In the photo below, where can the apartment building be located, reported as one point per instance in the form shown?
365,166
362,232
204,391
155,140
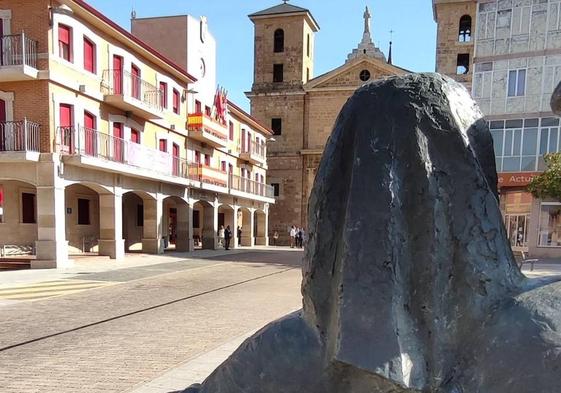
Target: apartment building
514,69
102,149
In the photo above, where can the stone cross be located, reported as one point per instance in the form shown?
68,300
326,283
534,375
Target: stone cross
367,17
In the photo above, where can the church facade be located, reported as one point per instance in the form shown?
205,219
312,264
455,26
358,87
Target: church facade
301,109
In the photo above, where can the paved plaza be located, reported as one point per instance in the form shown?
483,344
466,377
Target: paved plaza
143,327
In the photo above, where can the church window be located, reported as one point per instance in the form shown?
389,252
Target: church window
279,40
462,67
465,29
276,126
276,189
364,75
278,71
308,46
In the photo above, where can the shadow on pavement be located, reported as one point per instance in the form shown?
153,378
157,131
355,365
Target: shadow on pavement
290,258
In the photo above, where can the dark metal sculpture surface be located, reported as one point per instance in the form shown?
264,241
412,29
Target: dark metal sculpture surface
409,282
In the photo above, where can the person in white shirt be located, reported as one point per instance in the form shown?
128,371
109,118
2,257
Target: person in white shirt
292,236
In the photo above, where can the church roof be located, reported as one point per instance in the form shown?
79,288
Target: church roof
285,9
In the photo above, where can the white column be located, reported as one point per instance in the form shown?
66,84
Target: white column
210,226
51,246
234,228
184,237
191,230
153,226
111,242
248,238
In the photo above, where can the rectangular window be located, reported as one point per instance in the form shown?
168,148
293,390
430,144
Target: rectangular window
278,73
549,233
276,189
89,56
83,211
65,42
276,126
308,46
175,164
208,111
163,145
136,82
207,159
197,157
135,136
231,129
176,108
139,215
164,95
462,65
516,83
28,203
223,166
198,107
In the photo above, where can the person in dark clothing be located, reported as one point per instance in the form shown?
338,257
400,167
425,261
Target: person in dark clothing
239,236
227,237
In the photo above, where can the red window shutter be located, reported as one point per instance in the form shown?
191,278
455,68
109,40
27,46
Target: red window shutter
1,196
64,34
89,55
207,159
207,110
65,42
231,131
198,107
65,115
118,130
135,90
223,166
164,97
175,101
197,157
163,145
135,136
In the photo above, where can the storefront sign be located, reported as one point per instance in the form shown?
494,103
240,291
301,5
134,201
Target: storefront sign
516,179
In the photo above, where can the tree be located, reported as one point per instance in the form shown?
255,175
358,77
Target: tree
548,183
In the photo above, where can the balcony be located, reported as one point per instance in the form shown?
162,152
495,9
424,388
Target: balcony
19,138
240,185
209,175
205,129
256,154
18,58
131,94
87,147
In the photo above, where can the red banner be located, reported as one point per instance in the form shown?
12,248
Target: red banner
516,179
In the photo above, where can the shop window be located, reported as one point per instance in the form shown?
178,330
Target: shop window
231,130
276,189
276,126
176,107
462,64
465,29
89,56
196,219
28,203
139,215
278,73
65,42
83,211
164,95
279,41
517,229
1,204
516,83
549,234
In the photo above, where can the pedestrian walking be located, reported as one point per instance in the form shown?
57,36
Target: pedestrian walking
239,235
275,238
221,236
227,237
299,237
292,234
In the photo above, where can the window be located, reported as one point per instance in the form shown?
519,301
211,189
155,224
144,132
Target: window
462,65
139,215
276,126
176,162
135,136
516,83
307,74
231,129
207,159
83,211
197,157
65,42
276,189
89,56
1,204
279,41
549,232
364,75
208,111
198,107
163,145
164,95
28,203
308,46
135,88
465,29
176,107
278,71
223,166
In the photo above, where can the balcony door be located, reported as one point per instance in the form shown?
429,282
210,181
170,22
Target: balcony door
65,122
117,74
135,82
4,128
175,152
90,133
118,148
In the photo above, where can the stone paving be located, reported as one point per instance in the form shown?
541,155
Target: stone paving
120,337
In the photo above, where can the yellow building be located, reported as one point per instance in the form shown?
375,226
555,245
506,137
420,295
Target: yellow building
99,144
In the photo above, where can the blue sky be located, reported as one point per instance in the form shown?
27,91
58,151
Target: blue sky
340,21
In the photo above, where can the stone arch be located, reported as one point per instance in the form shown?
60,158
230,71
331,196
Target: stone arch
227,217
205,224
176,228
260,228
140,222
18,211
245,224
